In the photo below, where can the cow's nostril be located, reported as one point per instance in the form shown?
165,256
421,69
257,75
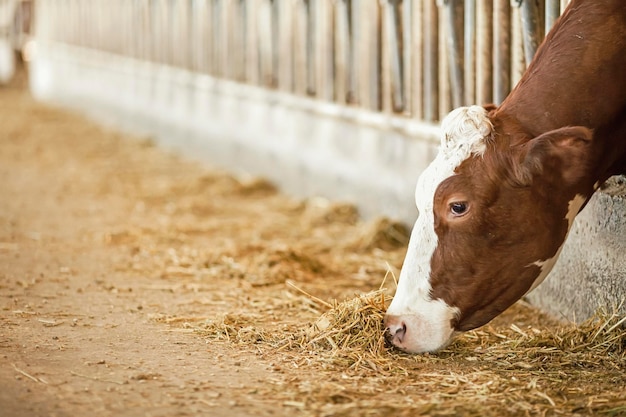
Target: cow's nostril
396,332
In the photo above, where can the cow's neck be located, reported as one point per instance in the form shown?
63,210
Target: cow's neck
578,78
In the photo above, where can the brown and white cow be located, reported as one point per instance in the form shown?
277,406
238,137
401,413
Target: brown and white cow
496,204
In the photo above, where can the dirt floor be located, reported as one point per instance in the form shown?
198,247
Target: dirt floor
136,283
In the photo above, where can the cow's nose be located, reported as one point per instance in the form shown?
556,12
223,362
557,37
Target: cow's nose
395,329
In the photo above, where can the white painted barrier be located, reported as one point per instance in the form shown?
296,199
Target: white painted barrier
307,147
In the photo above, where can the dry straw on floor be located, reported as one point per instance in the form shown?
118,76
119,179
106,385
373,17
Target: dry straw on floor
562,369
352,331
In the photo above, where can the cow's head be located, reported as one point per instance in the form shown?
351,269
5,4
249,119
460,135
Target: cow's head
494,209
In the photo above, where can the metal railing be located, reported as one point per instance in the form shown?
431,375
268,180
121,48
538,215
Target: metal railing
418,58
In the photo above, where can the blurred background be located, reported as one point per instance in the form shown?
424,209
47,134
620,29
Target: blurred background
418,58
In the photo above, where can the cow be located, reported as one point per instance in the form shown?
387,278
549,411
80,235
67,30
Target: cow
497,202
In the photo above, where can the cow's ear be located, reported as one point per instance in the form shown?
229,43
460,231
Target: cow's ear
563,154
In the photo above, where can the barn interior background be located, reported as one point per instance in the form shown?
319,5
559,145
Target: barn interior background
329,97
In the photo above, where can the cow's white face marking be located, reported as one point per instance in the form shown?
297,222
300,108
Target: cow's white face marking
546,265
429,322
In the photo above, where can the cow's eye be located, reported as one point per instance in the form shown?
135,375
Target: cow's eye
458,208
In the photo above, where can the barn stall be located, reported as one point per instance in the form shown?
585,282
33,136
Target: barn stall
342,96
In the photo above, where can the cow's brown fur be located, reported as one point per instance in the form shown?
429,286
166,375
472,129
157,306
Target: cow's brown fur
559,133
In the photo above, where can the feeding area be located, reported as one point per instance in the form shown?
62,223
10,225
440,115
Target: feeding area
137,281
193,268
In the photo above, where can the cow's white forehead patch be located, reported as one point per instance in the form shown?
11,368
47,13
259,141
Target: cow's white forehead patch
464,133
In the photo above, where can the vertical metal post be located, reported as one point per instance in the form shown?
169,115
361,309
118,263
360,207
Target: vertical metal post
453,10
469,51
391,80
484,45
501,50
552,13
226,40
323,48
266,47
342,51
407,64
530,25
252,42
286,41
444,91
518,62
417,65
180,35
159,40
386,52
368,60
397,61
200,34
300,47
375,56
352,14
431,60
238,41
167,43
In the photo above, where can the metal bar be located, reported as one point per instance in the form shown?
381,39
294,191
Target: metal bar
407,64
238,41
518,62
552,11
324,41
252,42
275,40
444,101
200,35
353,64
300,47
453,11
286,40
501,50
431,61
387,51
484,44
375,56
181,34
391,57
397,62
469,51
530,25
266,47
417,67
311,88
342,48
368,55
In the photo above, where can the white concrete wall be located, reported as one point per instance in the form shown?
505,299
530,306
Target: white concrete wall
306,146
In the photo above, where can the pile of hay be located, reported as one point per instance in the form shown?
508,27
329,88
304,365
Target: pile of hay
351,333
239,329
522,364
